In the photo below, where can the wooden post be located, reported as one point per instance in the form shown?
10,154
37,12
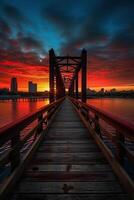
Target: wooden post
51,75
84,74
76,85
97,125
15,151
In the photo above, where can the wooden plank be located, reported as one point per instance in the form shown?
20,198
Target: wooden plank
67,131
35,176
69,161
65,149
67,125
70,157
65,137
70,154
70,146
56,196
70,187
71,168
75,141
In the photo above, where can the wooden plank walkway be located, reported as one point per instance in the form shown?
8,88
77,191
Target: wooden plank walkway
68,165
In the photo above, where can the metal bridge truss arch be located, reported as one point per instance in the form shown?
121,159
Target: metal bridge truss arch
63,75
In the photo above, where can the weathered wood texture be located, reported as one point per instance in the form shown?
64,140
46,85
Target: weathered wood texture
68,165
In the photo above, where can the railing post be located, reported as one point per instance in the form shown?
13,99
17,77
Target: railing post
97,125
15,151
89,118
119,149
87,114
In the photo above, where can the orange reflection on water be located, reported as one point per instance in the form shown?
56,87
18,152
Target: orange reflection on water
11,110
123,108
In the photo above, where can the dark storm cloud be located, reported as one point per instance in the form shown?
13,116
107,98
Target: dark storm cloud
5,32
14,13
124,39
30,43
4,27
15,36
29,58
92,25
27,43
60,17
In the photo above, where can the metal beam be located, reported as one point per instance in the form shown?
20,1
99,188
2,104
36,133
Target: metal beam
76,86
51,75
68,57
84,73
68,64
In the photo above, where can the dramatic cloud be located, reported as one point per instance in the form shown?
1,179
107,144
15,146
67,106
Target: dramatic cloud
29,29
30,43
14,14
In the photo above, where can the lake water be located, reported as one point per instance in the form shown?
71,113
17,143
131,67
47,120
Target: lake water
123,108
10,111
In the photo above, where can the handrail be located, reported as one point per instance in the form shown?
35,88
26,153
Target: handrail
123,129
113,145
5,132
124,126
12,132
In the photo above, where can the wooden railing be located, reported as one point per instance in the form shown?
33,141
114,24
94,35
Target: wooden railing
11,135
113,135
124,131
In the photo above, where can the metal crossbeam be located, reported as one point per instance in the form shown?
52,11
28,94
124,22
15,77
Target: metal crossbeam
66,70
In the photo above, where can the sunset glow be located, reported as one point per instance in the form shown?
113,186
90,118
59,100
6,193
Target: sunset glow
104,29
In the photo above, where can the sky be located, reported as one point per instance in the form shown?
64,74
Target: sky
29,28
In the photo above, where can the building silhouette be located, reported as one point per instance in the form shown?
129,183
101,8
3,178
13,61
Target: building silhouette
32,87
14,85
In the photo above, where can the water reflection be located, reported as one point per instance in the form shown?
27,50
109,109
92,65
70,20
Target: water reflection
124,108
12,110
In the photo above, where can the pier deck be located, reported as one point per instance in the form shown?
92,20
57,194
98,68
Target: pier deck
68,165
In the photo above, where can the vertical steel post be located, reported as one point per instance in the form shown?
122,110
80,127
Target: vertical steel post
62,87
84,72
51,75
76,86
57,82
